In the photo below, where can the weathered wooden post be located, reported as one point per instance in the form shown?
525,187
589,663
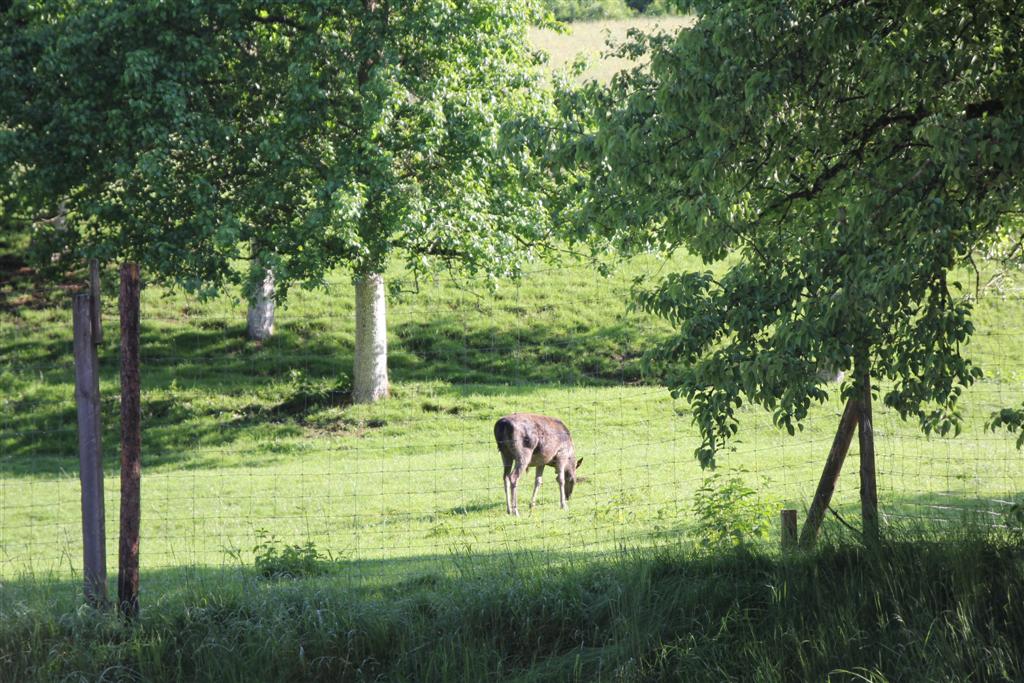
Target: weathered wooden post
131,444
94,290
830,474
868,485
788,518
87,399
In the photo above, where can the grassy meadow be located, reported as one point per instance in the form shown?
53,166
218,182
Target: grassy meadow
590,39
253,449
246,441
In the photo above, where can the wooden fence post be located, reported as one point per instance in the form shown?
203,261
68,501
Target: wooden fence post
788,518
94,290
830,474
868,486
131,444
87,399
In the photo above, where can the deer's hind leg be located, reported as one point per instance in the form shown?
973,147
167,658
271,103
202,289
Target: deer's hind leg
514,468
508,462
536,485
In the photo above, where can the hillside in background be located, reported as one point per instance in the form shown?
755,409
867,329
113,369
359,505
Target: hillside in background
589,39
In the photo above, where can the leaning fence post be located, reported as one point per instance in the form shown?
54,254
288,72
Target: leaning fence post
131,444
788,529
87,400
830,474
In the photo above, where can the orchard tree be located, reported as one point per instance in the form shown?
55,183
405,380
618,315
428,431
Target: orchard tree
159,129
417,166
290,137
834,161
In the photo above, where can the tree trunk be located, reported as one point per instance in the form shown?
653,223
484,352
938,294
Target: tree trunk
261,310
370,374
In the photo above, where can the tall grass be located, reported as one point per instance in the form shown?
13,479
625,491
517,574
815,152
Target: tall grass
919,609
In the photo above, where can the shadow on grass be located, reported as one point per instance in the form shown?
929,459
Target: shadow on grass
919,611
530,353
367,576
205,387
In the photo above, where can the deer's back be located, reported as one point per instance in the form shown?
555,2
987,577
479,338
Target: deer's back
524,434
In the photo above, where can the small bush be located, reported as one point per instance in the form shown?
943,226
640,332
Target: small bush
730,513
275,560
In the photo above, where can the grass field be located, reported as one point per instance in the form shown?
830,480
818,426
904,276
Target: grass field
244,441
589,40
243,438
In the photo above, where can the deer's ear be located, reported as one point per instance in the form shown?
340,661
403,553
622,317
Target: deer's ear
579,462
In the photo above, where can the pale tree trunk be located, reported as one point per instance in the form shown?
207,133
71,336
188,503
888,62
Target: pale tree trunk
827,373
370,374
261,310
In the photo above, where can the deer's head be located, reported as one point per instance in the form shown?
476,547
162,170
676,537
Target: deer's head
570,476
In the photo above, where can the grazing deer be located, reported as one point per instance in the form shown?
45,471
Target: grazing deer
527,440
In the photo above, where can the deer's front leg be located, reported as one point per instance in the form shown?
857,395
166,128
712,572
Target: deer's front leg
563,501
536,485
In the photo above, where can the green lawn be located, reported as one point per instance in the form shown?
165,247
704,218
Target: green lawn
241,437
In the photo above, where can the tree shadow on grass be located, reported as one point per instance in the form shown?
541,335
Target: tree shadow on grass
202,391
530,353
206,388
942,509
368,577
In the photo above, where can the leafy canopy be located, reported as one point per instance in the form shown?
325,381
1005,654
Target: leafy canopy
835,160
194,137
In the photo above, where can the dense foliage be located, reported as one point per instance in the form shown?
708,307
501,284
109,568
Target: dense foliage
194,137
834,162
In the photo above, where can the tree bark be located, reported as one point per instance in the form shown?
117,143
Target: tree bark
370,372
261,310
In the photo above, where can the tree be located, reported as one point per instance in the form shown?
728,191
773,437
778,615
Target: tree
835,161
422,167
146,121
291,137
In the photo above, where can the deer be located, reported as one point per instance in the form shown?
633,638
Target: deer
527,440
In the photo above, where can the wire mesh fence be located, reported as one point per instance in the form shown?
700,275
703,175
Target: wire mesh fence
248,442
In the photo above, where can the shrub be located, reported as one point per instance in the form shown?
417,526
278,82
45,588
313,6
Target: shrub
730,513
281,561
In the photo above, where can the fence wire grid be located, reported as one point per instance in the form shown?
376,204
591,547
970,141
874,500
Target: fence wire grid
247,442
